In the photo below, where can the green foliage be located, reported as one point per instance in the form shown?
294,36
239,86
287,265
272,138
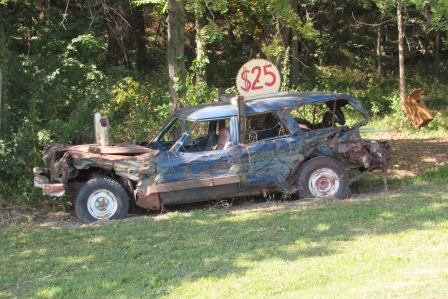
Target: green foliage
17,153
211,32
136,110
198,93
53,84
86,48
285,69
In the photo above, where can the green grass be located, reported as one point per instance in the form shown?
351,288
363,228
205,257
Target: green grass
392,246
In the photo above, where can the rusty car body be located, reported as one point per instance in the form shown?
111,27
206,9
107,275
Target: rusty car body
285,142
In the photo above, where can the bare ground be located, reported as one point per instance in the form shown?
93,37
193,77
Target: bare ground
411,157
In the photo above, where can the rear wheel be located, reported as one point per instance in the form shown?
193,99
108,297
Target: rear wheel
101,198
323,177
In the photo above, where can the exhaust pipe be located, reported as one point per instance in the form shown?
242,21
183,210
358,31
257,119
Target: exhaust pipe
101,128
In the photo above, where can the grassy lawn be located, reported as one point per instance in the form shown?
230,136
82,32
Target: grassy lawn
390,246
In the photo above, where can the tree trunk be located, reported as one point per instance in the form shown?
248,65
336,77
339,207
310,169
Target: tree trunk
1,94
403,91
437,48
295,42
201,50
138,24
379,51
126,33
426,29
175,53
230,34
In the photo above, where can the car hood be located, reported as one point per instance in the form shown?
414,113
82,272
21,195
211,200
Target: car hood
64,161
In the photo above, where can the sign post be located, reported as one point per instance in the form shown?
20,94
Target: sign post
242,118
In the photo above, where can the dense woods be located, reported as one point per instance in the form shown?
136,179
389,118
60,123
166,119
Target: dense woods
138,61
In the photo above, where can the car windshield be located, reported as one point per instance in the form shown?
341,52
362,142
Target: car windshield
194,135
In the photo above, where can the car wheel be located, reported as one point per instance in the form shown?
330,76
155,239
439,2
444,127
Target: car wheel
101,198
323,177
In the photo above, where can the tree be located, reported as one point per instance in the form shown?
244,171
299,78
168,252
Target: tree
175,53
403,89
295,44
1,96
201,48
2,50
206,31
126,33
432,15
200,63
434,23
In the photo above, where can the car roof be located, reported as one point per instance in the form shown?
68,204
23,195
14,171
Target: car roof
264,103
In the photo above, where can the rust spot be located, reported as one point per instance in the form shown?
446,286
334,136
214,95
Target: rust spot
55,190
147,199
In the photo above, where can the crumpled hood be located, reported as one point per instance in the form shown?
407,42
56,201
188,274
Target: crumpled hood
65,160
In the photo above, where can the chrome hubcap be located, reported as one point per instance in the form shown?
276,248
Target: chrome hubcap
324,182
102,204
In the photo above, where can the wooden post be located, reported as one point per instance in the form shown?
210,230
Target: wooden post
96,126
240,103
242,119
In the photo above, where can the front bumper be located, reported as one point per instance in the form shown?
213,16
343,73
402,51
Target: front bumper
42,181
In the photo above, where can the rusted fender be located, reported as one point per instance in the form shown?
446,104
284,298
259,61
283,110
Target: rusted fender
147,198
42,181
370,154
129,161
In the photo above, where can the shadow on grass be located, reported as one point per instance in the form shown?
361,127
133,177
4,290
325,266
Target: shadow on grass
140,258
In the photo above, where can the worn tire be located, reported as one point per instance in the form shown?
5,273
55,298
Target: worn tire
101,198
323,177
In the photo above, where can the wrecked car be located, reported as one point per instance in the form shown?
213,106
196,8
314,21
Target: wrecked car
307,143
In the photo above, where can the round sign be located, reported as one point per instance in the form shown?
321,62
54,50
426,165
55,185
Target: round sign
256,77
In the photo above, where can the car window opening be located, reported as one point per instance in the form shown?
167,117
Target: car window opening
313,117
206,135
264,126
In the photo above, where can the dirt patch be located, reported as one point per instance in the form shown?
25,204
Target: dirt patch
411,157
25,216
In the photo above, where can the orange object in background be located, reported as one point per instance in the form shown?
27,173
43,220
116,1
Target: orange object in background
416,109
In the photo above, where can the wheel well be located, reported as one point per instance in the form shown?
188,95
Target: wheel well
321,177
85,175
292,178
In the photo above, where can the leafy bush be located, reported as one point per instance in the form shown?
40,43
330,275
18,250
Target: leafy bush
136,110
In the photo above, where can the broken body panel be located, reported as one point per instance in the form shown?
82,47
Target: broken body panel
191,168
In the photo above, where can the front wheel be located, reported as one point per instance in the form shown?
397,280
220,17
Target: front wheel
323,177
101,198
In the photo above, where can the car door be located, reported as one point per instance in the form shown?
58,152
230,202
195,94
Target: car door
271,154
200,164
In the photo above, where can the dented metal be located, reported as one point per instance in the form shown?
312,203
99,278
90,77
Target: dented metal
42,181
261,157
